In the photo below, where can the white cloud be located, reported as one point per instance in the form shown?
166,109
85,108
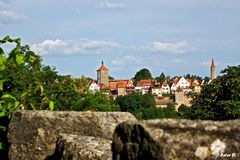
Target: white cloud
176,48
112,5
126,60
47,46
7,16
82,47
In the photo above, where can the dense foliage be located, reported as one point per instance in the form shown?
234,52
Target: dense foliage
161,78
154,113
219,100
143,74
25,83
144,106
189,76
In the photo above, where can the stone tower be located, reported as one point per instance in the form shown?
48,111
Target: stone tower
213,70
103,77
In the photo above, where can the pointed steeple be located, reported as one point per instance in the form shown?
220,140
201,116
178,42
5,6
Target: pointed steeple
102,67
213,70
213,63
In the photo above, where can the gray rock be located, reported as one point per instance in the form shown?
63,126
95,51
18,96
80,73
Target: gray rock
176,140
33,134
74,147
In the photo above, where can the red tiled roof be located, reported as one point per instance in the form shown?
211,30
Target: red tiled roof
113,84
103,68
145,82
213,64
122,83
130,82
103,86
175,80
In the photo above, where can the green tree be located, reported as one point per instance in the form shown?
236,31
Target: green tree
143,74
156,113
161,78
111,78
135,103
189,76
25,83
184,111
219,100
95,101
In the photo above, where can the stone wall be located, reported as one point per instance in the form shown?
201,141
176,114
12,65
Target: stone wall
34,135
177,140
46,135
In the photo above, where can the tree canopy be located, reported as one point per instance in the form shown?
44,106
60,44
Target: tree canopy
189,76
135,103
143,74
160,78
219,100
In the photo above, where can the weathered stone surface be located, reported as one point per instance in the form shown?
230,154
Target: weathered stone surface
74,147
176,140
33,134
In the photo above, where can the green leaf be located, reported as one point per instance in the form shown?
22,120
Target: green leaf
51,105
39,87
1,84
16,104
2,67
23,94
1,146
3,128
18,41
3,114
19,58
32,104
3,59
5,39
8,96
1,51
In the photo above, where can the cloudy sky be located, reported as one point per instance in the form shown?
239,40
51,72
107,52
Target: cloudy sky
171,36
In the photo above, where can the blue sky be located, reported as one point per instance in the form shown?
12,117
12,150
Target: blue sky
171,36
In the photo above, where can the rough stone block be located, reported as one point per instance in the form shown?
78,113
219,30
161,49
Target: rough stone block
177,140
74,147
33,134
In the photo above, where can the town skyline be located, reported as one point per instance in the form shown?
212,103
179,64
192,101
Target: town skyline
173,37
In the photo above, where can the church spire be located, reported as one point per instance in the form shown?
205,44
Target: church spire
213,70
213,63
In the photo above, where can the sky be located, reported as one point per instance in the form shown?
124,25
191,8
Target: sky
176,37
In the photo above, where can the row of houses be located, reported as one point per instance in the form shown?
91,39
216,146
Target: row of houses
124,87
177,85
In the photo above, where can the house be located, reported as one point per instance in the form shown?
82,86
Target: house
93,86
122,87
180,82
156,89
145,84
195,85
173,87
113,92
165,87
138,87
130,87
162,102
